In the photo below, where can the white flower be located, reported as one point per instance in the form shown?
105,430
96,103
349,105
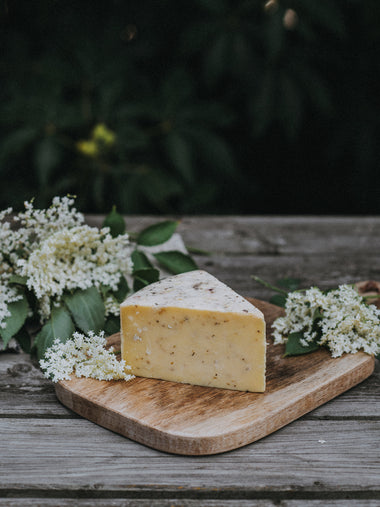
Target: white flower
8,294
112,306
84,356
346,323
35,225
39,224
76,258
56,252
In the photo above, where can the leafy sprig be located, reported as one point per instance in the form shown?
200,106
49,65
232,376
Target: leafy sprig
282,289
85,309
339,319
295,342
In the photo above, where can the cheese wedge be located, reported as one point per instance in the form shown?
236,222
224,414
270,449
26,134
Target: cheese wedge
193,328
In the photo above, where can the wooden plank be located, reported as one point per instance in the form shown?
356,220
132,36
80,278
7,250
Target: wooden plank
361,401
17,368
323,271
267,235
313,456
24,391
141,502
347,502
181,502
282,235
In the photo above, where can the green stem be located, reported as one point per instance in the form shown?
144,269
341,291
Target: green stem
269,286
371,296
197,251
132,235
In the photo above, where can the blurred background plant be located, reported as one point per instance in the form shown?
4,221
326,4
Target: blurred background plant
208,106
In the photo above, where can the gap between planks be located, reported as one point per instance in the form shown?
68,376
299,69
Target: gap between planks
158,494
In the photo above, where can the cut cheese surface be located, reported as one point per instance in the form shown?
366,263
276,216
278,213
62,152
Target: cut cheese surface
193,328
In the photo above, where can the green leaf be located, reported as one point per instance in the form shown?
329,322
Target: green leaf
317,316
290,105
112,325
176,262
140,261
314,85
295,348
216,57
132,137
60,326
327,15
16,142
47,156
176,90
134,111
17,279
158,233
213,150
275,35
212,114
279,300
87,309
122,290
216,7
13,323
24,340
289,283
160,188
179,152
196,36
263,103
145,277
115,222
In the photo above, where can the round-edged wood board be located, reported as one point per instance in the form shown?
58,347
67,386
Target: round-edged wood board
194,420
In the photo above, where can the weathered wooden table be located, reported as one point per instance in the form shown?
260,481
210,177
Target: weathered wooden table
331,456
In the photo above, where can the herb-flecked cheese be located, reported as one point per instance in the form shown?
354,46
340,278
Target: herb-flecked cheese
193,328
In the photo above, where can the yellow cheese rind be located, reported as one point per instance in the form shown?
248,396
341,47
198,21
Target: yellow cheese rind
201,347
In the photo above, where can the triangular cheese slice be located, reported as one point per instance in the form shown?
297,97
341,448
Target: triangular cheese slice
193,328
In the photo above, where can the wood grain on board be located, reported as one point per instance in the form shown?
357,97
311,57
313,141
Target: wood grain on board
195,420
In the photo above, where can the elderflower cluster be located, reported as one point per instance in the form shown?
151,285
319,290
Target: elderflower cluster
75,258
56,252
112,306
8,295
16,243
35,225
338,319
83,356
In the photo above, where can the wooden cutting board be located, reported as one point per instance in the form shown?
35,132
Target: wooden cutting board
195,420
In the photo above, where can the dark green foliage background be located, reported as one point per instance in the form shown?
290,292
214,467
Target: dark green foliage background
217,105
